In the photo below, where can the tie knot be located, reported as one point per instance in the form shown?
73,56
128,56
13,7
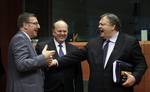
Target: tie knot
61,53
60,45
107,41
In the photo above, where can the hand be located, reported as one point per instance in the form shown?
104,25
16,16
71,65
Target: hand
130,80
53,62
48,54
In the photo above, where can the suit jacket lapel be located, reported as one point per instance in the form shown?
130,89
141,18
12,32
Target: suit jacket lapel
116,51
68,48
28,41
51,46
98,52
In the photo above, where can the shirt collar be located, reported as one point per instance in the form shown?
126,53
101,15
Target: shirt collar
56,43
27,35
114,37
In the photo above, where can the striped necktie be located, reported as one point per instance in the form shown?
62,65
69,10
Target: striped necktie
61,53
105,49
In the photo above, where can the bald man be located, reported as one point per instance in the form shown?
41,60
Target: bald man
58,79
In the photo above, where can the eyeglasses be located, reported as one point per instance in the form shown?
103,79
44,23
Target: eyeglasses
34,23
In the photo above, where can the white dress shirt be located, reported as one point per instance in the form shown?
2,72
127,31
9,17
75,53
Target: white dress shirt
110,47
63,46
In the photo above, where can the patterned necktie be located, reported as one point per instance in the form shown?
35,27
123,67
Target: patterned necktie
105,49
61,53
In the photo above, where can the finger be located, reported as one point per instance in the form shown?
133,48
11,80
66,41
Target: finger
50,64
51,57
127,74
52,52
45,47
125,83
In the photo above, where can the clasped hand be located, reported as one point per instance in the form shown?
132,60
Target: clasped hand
130,80
48,54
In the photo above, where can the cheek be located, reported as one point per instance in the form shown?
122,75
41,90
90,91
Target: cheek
35,32
65,35
107,29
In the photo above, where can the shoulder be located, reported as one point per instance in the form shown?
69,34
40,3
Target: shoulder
44,40
18,35
94,41
17,38
129,38
70,45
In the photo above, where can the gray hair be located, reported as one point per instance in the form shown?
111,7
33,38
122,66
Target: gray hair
114,20
24,17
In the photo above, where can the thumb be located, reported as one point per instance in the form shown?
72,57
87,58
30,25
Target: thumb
45,48
126,73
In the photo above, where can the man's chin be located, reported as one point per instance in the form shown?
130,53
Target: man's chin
35,35
62,40
101,35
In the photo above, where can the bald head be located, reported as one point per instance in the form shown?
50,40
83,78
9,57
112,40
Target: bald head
60,23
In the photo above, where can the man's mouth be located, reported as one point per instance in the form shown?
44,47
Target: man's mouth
101,30
36,30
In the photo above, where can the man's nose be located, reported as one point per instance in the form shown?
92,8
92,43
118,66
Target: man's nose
99,26
38,26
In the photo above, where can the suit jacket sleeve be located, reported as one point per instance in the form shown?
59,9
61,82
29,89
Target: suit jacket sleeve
140,65
25,57
78,79
74,57
39,47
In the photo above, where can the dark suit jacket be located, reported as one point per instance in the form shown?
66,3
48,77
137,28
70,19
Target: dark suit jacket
126,49
70,78
24,66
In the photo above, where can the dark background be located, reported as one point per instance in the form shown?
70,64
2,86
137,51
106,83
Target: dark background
83,15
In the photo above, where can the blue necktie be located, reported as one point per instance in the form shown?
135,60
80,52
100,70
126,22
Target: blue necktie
105,49
61,53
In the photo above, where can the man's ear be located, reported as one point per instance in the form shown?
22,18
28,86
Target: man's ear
25,25
53,32
114,27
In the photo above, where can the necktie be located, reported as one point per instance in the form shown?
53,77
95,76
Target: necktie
60,50
105,49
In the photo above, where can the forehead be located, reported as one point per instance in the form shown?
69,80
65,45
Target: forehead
33,19
61,25
104,19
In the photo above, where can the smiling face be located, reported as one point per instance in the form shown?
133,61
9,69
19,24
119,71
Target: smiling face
32,27
60,31
106,28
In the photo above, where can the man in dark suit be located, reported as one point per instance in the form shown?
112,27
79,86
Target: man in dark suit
24,65
120,47
68,79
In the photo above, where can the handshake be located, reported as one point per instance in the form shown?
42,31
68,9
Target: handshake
48,54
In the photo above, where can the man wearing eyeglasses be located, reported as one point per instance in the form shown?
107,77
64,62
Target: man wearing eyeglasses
24,65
